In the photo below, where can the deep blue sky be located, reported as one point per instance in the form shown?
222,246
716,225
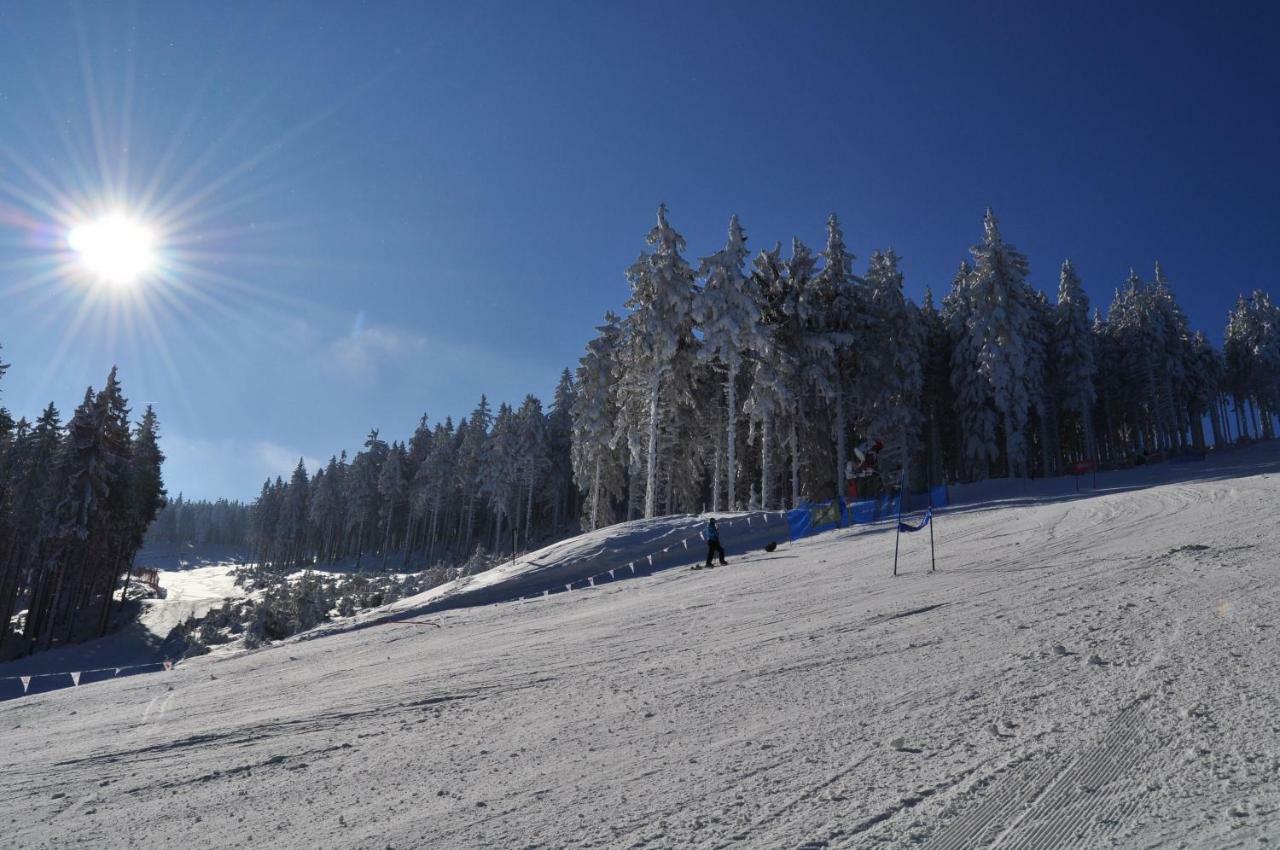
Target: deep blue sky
381,209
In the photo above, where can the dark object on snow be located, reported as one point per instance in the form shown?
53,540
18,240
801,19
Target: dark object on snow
770,546
713,544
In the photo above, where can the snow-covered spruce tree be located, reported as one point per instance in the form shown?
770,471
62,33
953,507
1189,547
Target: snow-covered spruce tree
1041,379
558,490
839,316
597,466
473,432
30,486
1176,332
1202,382
393,497
1073,360
291,527
1251,349
810,348
499,475
890,380
771,400
995,343
728,313
975,410
661,326
362,492
938,399
532,456
1138,343
439,475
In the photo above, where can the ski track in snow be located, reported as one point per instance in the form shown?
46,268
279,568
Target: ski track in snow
1090,671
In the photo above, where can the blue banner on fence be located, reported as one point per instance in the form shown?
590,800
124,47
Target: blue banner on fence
908,527
814,518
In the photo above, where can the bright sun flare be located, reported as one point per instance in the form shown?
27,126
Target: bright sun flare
116,249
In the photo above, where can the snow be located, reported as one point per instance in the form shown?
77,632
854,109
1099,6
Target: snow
1084,670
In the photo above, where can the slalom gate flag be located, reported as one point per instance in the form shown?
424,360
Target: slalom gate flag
908,528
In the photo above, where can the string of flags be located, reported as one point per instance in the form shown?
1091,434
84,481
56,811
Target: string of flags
647,560
76,676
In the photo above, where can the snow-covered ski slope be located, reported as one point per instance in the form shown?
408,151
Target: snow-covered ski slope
617,553
1089,671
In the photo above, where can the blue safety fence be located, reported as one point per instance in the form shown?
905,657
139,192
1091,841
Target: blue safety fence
817,517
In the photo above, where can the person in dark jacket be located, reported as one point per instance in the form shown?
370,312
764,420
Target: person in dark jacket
713,544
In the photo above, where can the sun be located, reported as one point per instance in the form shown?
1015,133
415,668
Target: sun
116,249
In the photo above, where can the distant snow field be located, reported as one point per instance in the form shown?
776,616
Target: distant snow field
1084,670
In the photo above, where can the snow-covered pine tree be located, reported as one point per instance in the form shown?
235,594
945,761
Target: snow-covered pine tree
393,496
499,472
810,349
1074,360
840,317
996,335
938,398
728,313
1041,380
532,456
660,326
559,492
771,399
597,467
974,407
890,380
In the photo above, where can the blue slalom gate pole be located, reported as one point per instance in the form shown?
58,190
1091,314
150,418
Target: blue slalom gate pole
933,557
898,534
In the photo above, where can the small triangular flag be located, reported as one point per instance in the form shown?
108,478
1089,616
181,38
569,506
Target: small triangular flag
26,682
117,673
592,581
568,587
75,679
610,573
546,593
632,565
650,557
168,665
748,522
686,543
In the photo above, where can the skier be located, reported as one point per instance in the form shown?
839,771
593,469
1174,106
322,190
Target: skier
713,544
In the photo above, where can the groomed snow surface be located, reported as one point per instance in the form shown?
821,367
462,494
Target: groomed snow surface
1088,670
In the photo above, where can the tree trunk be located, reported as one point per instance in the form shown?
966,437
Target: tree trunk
766,461
795,464
731,446
595,495
651,472
842,451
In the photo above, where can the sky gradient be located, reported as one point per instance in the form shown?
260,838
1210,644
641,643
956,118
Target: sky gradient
378,210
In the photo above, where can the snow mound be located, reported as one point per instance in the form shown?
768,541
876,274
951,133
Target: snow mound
618,552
